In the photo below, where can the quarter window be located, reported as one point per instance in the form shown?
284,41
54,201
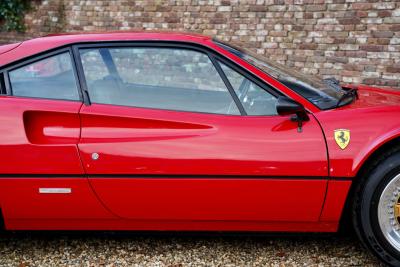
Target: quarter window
255,100
52,77
163,78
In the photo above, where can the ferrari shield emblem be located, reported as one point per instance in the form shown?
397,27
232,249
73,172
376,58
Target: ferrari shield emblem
342,138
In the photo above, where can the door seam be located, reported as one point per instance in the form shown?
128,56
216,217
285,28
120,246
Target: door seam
86,176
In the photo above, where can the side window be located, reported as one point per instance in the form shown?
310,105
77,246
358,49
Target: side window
255,100
52,77
162,78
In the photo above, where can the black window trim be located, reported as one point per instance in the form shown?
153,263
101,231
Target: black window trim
213,55
248,75
6,83
3,90
37,58
228,85
81,76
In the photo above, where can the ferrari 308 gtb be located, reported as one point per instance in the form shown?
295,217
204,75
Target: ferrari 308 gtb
175,131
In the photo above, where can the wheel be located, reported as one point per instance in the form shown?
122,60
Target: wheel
376,208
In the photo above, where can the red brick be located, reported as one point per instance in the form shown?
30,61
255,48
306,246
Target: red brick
362,14
383,41
392,69
258,8
382,34
395,27
372,48
315,7
384,13
337,59
172,19
308,46
362,6
349,21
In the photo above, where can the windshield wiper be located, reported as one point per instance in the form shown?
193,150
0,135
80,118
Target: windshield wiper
349,93
333,82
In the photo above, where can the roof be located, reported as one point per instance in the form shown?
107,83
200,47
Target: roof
37,45
8,47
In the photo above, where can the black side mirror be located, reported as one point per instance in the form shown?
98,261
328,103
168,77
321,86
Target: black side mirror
287,106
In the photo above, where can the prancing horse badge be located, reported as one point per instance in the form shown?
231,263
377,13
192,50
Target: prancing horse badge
342,138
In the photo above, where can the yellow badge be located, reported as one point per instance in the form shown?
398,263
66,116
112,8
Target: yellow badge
342,138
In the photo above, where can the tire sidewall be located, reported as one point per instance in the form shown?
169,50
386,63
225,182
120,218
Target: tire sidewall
368,215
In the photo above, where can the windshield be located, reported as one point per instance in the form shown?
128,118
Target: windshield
323,94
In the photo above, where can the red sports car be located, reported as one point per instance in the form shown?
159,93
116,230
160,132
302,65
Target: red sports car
174,131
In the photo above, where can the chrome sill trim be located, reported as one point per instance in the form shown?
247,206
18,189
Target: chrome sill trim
55,190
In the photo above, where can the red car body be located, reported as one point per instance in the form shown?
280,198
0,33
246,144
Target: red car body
172,170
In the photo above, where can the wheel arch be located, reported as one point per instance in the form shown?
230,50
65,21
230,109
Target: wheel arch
374,150
380,149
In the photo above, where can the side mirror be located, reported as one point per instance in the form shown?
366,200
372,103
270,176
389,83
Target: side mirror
287,106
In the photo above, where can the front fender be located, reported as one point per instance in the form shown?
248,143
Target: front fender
370,128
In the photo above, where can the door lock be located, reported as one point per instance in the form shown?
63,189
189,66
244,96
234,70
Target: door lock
95,156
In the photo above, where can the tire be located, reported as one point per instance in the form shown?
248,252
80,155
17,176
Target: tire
374,195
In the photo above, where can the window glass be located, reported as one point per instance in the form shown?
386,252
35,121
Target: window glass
255,100
163,78
52,77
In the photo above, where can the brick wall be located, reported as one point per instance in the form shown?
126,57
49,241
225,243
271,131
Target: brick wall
357,41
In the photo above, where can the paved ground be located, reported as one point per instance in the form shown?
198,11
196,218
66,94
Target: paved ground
175,250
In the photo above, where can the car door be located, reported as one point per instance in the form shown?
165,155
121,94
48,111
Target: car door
173,134
41,172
